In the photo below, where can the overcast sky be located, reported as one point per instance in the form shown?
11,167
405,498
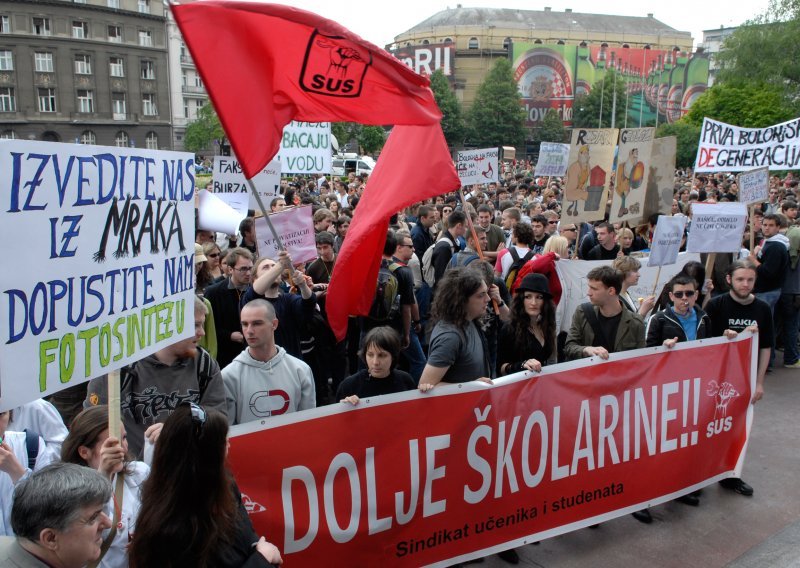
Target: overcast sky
380,21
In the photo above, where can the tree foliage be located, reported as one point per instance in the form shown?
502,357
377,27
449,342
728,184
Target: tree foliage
371,139
497,117
552,128
688,136
749,105
453,124
345,132
201,133
586,109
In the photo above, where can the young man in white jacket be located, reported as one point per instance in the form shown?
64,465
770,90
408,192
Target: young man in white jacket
264,380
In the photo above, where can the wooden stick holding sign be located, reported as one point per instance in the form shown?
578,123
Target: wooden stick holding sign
474,238
263,209
658,275
114,421
752,228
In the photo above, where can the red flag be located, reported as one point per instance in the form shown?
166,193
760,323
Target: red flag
265,65
415,164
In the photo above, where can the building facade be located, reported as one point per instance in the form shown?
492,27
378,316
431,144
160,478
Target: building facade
712,43
91,71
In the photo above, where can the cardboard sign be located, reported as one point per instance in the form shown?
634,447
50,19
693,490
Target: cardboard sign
552,159
295,227
485,468
717,227
591,159
230,183
477,166
107,273
633,172
306,148
754,186
666,241
727,148
660,182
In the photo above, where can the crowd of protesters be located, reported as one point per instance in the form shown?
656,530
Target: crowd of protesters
467,290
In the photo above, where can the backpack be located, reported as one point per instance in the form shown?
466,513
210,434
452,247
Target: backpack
387,294
516,264
428,272
462,258
32,447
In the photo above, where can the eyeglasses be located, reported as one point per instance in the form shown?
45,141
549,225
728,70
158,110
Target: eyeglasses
408,246
552,222
244,269
198,417
680,293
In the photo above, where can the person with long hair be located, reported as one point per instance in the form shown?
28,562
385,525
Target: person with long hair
192,512
214,262
528,341
89,444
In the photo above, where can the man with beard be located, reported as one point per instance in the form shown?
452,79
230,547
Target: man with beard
152,388
575,188
623,179
735,312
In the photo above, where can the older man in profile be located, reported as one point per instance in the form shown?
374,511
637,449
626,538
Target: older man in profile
58,517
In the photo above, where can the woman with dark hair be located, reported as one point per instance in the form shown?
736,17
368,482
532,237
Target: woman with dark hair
528,341
457,352
192,512
380,353
89,444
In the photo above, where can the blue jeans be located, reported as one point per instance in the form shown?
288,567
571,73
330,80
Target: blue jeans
791,321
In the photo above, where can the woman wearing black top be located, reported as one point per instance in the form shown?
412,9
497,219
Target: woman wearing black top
528,341
380,353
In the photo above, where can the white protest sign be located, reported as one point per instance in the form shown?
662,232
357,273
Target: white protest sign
295,227
716,227
754,186
575,286
666,240
477,166
552,159
213,214
727,148
107,273
306,148
230,184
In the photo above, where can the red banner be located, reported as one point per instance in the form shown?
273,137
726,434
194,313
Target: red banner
463,471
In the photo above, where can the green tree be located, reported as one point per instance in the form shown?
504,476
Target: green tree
586,109
765,50
201,133
749,105
688,136
453,124
551,129
497,117
345,132
371,139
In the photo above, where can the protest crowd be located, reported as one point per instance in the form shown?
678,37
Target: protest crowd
467,290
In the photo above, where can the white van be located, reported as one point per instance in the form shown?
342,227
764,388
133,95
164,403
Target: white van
343,164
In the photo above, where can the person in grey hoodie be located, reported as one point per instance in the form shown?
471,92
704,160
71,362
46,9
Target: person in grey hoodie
264,380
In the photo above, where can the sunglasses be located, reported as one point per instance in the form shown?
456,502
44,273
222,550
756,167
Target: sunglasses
198,417
679,294
213,255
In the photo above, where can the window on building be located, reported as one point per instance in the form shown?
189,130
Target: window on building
149,105
113,3
7,101
5,25
473,43
115,34
85,101
145,38
448,40
116,66
148,69
80,30
118,106
122,140
8,135
425,42
151,141
83,64
6,60
506,42
47,100
198,81
79,1
41,26
144,6
186,108
43,62
88,137
184,78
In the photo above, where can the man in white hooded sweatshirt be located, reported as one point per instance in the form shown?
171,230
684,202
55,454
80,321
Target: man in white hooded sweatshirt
264,380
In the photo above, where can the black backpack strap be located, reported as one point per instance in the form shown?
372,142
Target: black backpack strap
528,256
203,370
591,317
32,447
514,255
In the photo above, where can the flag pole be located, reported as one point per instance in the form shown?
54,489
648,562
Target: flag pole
474,237
264,213
114,429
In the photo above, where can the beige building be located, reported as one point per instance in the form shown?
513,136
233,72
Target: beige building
469,40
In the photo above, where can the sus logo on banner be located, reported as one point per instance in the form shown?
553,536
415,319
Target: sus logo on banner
306,148
107,277
477,166
230,184
716,227
633,170
552,159
661,174
591,158
295,227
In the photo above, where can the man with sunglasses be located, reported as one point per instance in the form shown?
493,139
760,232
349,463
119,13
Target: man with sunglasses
683,320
